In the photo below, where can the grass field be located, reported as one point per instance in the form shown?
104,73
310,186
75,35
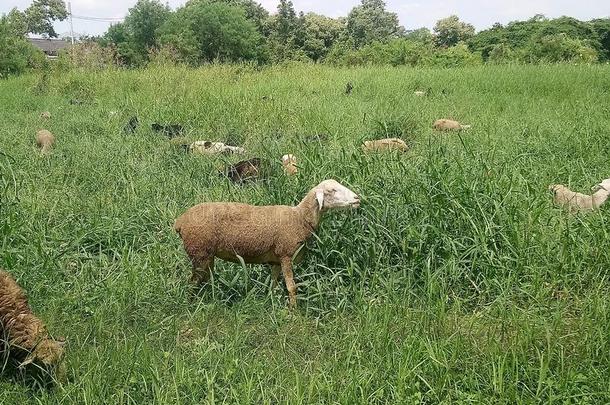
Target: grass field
456,281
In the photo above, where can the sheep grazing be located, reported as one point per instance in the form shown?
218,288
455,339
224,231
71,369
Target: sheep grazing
420,93
385,145
290,164
45,141
215,148
45,115
171,131
132,125
245,171
23,335
577,202
272,235
449,125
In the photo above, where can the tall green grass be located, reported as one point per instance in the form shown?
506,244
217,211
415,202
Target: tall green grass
456,281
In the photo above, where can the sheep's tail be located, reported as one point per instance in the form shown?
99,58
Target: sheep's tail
465,126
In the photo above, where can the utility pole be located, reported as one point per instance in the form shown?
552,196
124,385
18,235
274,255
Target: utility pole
71,24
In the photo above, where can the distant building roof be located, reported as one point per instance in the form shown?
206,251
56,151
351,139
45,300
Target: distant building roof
50,47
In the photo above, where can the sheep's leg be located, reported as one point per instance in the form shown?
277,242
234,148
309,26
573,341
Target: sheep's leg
289,280
275,274
202,271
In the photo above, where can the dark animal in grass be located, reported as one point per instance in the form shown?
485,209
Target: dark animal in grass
131,126
171,131
244,171
23,335
348,88
76,101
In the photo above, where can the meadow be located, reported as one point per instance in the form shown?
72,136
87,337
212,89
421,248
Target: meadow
456,281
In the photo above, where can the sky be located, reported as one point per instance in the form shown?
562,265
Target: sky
413,14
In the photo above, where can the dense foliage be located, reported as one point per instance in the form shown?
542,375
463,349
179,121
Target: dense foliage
203,31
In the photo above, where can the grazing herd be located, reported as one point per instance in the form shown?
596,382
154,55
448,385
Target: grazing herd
234,232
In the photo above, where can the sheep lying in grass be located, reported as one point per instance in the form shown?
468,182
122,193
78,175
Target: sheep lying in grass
420,93
577,202
271,235
290,164
449,125
45,115
22,334
45,141
385,145
245,171
214,148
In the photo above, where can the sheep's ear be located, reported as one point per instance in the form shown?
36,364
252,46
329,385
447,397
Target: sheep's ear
320,198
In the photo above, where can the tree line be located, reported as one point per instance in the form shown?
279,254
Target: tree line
205,31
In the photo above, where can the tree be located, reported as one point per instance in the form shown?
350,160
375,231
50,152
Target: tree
320,33
41,14
203,32
422,35
16,53
560,48
370,22
254,11
17,24
118,36
602,29
450,31
282,32
142,23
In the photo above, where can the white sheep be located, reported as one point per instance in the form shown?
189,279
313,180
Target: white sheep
420,93
449,125
385,145
577,202
214,148
272,235
45,141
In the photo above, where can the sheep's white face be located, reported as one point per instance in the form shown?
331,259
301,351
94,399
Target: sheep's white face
604,185
286,159
331,194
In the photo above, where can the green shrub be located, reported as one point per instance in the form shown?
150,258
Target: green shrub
457,56
16,53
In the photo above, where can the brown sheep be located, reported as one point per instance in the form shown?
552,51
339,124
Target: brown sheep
577,202
385,145
273,235
290,164
45,141
449,125
244,171
21,332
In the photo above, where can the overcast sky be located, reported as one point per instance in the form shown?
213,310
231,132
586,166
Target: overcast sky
413,14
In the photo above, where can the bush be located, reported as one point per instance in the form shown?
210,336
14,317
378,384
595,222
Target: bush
16,53
87,55
457,56
560,48
501,53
